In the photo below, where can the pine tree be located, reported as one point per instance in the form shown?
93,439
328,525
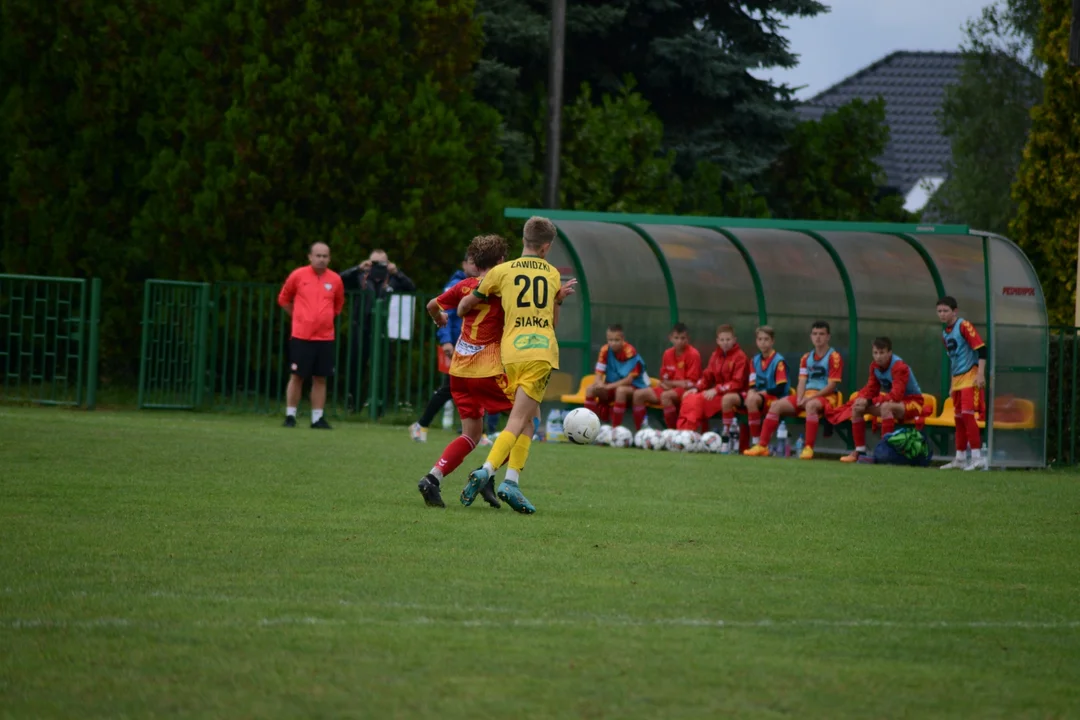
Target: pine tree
690,59
1047,189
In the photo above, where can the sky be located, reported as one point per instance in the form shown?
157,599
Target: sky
855,33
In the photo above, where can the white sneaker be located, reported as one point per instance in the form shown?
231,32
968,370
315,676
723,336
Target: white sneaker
955,464
980,463
485,441
417,433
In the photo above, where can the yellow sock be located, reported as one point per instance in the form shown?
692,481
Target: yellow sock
520,452
501,449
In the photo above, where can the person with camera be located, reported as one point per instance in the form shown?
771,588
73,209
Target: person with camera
376,278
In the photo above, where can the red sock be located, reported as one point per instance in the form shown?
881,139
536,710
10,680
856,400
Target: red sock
594,405
455,454
639,416
671,416
961,435
858,431
812,422
703,426
972,427
768,428
754,418
728,417
888,425
744,437
618,410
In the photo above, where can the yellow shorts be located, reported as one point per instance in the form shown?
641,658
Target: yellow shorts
531,376
965,380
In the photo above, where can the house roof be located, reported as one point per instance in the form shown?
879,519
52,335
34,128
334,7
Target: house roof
913,87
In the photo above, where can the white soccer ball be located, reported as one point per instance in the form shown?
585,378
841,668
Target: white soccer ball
693,442
581,426
654,440
666,437
604,436
622,437
710,442
642,436
681,441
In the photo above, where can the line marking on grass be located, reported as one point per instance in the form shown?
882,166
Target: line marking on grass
585,621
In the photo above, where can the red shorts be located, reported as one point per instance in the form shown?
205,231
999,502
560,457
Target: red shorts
658,391
970,399
767,399
913,405
476,396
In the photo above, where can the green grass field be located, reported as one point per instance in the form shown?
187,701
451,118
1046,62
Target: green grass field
191,565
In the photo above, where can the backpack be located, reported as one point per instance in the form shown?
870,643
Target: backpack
906,446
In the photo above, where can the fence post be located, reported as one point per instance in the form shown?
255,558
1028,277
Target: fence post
378,323
202,314
93,344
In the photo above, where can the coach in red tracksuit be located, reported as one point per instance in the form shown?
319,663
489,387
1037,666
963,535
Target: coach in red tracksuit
727,373
313,295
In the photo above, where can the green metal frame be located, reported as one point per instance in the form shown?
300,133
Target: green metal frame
991,363
939,285
853,314
94,344
669,281
586,303
712,222
755,276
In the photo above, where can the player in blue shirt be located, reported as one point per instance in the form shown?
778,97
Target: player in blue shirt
620,370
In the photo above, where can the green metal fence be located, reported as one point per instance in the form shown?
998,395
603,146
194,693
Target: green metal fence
225,347
49,339
1063,398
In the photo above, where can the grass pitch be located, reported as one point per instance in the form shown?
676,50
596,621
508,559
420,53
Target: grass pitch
212,566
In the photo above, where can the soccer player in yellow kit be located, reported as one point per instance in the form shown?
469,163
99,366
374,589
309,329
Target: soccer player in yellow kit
531,291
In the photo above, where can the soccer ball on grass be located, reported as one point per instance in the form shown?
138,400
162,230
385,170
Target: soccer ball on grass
581,426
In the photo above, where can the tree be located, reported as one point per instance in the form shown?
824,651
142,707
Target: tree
215,139
829,170
986,116
690,58
1047,188
612,156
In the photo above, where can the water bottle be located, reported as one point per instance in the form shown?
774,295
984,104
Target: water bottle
734,436
448,415
725,442
782,440
799,445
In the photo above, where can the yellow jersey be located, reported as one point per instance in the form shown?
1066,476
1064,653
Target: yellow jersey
527,287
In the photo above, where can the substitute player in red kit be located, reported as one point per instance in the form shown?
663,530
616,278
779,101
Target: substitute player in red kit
477,382
680,369
726,375
891,393
967,356
313,295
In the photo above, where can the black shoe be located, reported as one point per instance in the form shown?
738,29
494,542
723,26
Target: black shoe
488,493
429,488
321,424
290,421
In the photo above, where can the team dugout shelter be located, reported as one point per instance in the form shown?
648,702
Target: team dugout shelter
647,272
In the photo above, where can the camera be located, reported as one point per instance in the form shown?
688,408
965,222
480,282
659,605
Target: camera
378,272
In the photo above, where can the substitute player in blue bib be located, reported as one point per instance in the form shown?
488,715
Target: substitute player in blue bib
620,370
768,383
967,358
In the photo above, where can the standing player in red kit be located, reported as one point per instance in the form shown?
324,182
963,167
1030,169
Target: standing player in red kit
680,369
726,375
313,295
477,382
891,393
967,358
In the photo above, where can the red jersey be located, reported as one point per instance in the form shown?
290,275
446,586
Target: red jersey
316,300
727,372
476,354
681,367
901,374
